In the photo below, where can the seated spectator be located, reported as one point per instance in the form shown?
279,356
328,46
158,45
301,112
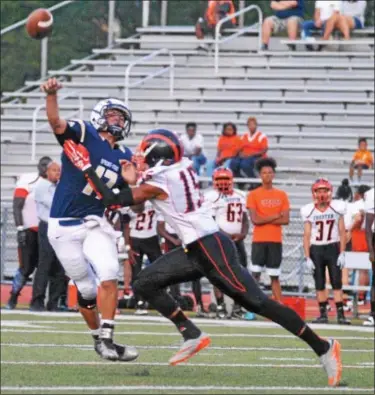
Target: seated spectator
352,16
344,192
324,11
193,146
288,16
216,10
362,159
254,146
228,147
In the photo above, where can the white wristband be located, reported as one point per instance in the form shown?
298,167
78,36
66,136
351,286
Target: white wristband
127,248
19,228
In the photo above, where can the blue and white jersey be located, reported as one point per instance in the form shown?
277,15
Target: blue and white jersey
74,196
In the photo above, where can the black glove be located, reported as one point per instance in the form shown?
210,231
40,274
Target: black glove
21,238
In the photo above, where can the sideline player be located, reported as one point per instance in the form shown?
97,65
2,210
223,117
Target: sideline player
141,239
324,243
83,239
370,238
228,207
172,186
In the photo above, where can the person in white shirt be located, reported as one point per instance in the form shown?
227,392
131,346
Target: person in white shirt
193,146
26,221
324,10
352,17
49,268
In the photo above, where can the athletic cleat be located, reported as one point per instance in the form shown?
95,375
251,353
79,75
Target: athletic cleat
332,364
126,353
190,348
221,312
323,319
141,309
106,349
370,321
343,321
12,302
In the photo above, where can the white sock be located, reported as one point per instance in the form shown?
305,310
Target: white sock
109,322
95,332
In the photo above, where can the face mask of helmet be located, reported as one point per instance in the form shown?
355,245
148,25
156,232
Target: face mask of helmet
118,131
223,185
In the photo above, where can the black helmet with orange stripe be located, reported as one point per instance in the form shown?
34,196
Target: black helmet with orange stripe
161,147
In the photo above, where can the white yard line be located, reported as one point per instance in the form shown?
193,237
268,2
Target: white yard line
203,321
132,388
212,365
145,333
219,348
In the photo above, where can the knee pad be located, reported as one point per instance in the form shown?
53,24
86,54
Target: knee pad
89,304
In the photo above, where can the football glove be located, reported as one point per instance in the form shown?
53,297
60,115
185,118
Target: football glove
309,264
21,238
341,260
77,154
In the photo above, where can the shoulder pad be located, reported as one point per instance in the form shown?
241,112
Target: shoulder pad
306,210
339,206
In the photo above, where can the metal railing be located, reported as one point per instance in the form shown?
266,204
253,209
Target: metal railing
44,41
40,107
240,32
143,60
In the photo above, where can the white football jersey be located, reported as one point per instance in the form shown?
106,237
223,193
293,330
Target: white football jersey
228,210
168,228
25,187
369,206
142,225
352,209
325,224
182,209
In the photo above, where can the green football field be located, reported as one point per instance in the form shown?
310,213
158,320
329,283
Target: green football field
53,353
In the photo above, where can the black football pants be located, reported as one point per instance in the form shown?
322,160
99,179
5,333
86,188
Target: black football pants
215,257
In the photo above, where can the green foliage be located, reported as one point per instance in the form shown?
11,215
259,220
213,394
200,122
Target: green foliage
81,26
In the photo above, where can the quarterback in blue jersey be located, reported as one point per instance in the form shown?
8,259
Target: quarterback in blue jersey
83,239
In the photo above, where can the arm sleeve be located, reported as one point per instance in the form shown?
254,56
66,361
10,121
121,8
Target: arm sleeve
75,130
18,203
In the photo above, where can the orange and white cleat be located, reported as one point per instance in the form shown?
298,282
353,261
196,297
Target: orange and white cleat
332,364
190,348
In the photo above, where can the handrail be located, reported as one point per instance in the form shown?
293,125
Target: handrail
41,106
23,22
239,32
152,75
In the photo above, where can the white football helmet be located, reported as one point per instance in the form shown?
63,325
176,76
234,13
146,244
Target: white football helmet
99,122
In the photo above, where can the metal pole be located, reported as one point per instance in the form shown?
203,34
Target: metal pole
43,58
145,12
4,224
111,17
241,19
164,12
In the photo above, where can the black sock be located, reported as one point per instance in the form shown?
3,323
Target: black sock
323,308
319,345
220,300
186,327
340,308
373,308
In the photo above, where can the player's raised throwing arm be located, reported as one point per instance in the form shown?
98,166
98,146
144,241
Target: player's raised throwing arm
51,87
79,156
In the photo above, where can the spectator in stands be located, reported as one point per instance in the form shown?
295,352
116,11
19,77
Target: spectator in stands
324,11
288,16
352,17
49,268
26,221
216,10
228,146
193,146
362,159
344,192
254,145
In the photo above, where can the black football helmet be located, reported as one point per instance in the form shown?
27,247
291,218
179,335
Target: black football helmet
161,147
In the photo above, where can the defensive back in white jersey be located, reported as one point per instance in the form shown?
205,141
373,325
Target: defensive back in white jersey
182,209
369,206
325,224
228,210
142,225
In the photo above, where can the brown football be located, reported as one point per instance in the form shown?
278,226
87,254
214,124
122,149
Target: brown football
39,23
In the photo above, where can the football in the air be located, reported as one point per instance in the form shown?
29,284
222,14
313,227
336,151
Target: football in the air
39,23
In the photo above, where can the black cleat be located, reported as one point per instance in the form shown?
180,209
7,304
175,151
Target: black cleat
12,302
221,311
341,320
323,319
106,349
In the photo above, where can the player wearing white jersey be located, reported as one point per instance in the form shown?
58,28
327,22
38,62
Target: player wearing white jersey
228,207
324,243
370,238
172,186
141,240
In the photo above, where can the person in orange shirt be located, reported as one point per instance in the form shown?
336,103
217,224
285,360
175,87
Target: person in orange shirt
362,159
269,211
216,10
254,145
228,146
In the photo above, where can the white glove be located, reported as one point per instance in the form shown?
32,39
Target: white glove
309,264
120,245
341,260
